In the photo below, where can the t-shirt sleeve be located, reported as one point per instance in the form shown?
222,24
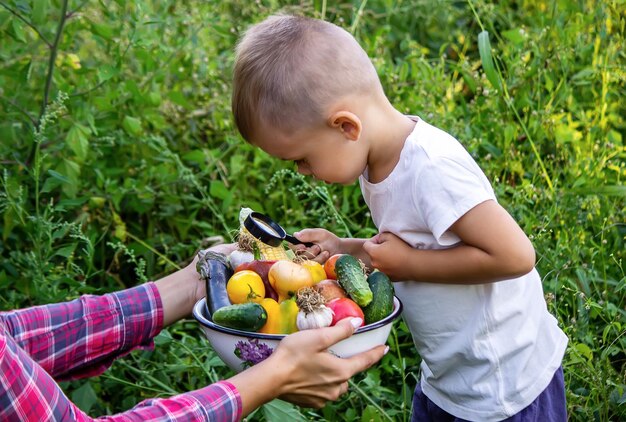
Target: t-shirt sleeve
446,189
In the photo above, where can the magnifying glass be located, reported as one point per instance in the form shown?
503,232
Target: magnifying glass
268,231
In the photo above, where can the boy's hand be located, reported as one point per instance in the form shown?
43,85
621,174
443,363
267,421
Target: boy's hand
492,248
388,253
326,244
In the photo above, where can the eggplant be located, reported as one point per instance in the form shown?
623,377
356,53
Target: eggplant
215,270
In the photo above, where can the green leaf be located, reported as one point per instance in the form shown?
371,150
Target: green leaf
371,414
564,133
77,140
584,350
515,36
50,184
9,223
66,251
84,397
71,203
18,30
587,74
614,136
97,202
196,156
178,98
102,29
132,125
484,49
71,170
58,176
106,72
40,9
154,98
469,80
278,410
218,190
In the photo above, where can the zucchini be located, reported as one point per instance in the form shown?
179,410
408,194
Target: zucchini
382,303
249,316
215,270
351,277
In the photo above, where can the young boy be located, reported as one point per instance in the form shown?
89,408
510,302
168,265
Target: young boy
305,91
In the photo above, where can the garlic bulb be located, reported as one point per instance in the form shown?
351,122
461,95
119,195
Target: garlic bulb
321,317
313,313
238,257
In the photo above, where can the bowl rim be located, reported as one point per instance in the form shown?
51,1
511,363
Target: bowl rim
199,310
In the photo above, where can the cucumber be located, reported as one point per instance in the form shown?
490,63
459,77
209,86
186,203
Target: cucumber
351,277
382,304
249,316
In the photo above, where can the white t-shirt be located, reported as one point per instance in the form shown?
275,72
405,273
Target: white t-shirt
488,350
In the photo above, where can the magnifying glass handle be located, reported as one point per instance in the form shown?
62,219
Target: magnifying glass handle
291,239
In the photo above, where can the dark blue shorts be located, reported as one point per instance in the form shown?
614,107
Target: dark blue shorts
549,406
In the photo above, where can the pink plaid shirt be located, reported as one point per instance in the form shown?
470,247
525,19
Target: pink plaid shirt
82,338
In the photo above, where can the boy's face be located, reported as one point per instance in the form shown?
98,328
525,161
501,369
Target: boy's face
322,152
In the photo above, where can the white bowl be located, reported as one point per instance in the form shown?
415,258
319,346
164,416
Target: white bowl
241,349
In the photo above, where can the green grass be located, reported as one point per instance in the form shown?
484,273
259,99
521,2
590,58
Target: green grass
136,163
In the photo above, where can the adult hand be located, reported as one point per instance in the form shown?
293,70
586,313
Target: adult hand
317,376
302,371
200,290
181,290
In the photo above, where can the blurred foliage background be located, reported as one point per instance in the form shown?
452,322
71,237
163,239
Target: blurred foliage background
120,159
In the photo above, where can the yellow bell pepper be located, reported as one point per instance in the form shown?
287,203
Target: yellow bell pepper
281,317
272,325
289,314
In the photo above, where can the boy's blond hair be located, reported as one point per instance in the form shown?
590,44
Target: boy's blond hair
290,69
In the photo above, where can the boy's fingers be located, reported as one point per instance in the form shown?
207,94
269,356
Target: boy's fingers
306,235
381,238
315,235
370,244
312,252
322,257
375,240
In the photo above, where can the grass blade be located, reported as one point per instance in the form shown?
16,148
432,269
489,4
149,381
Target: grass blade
484,49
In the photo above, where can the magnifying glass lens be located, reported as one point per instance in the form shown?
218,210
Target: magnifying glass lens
268,231
265,227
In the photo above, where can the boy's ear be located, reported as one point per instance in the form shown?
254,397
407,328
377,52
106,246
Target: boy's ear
348,123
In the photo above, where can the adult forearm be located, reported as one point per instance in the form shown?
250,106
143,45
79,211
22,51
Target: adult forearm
256,386
179,292
84,336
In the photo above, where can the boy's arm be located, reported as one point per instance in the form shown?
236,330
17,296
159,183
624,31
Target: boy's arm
354,247
493,248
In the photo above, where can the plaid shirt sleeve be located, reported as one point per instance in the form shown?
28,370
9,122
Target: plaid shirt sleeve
82,338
